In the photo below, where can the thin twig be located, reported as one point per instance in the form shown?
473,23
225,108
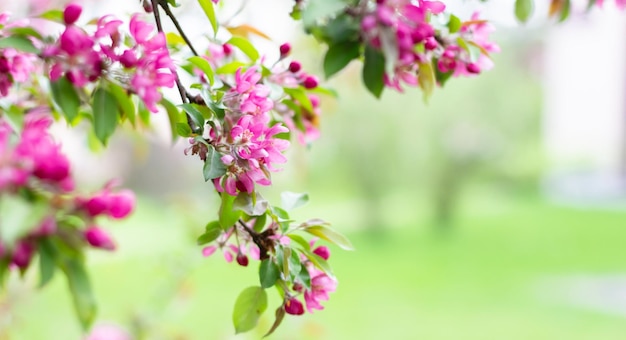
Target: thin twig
172,17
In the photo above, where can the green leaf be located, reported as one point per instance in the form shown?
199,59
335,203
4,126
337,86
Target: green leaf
330,235
305,277
318,262
259,223
55,15
426,79
299,95
14,116
250,304
280,315
124,102
454,25
339,56
320,9
374,71
47,262
196,116
173,115
231,67
213,166
291,200
294,264
205,66
209,11
227,215
66,98
212,231
19,43
268,273
524,9
183,130
300,240
25,31
80,288
245,46
565,10
105,114
245,203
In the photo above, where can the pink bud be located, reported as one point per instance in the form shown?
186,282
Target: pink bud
121,204
96,205
47,227
227,49
208,251
310,82
71,13
431,43
285,49
22,254
242,260
368,23
322,251
98,238
294,307
295,66
472,68
147,6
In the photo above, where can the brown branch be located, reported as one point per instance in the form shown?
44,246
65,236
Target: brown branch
168,11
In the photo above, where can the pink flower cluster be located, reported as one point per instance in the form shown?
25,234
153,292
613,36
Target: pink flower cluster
321,286
15,66
83,58
621,4
34,169
402,30
248,144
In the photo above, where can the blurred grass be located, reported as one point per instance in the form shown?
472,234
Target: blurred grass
481,282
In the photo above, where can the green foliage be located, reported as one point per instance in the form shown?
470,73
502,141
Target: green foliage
105,114
339,56
80,287
321,230
249,306
209,11
524,9
374,71
213,166
66,98
268,273
212,231
18,42
245,46
227,215
292,200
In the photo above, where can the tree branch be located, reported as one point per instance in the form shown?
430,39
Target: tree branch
168,11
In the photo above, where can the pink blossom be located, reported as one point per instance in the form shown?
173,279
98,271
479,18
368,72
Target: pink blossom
117,205
98,238
321,285
23,253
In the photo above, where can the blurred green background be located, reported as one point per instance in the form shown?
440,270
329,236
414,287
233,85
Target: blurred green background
453,237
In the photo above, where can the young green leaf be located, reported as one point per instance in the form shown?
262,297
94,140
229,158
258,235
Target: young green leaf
105,114
300,240
213,165
268,273
374,71
249,306
330,235
318,262
339,56
195,115
245,203
227,215
66,98
426,79
204,65
454,24
47,261
124,101
209,11
524,9
280,315
173,115
19,43
299,95
245,46
212,231
80,287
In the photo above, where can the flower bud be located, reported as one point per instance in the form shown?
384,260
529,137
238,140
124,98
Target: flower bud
71,13
310,82
22,254
96,205
295,66
227,49
293,306
368,23
242,260
431,43
322,251
147,6
285,49
472,68
121,204
208,251
98,238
